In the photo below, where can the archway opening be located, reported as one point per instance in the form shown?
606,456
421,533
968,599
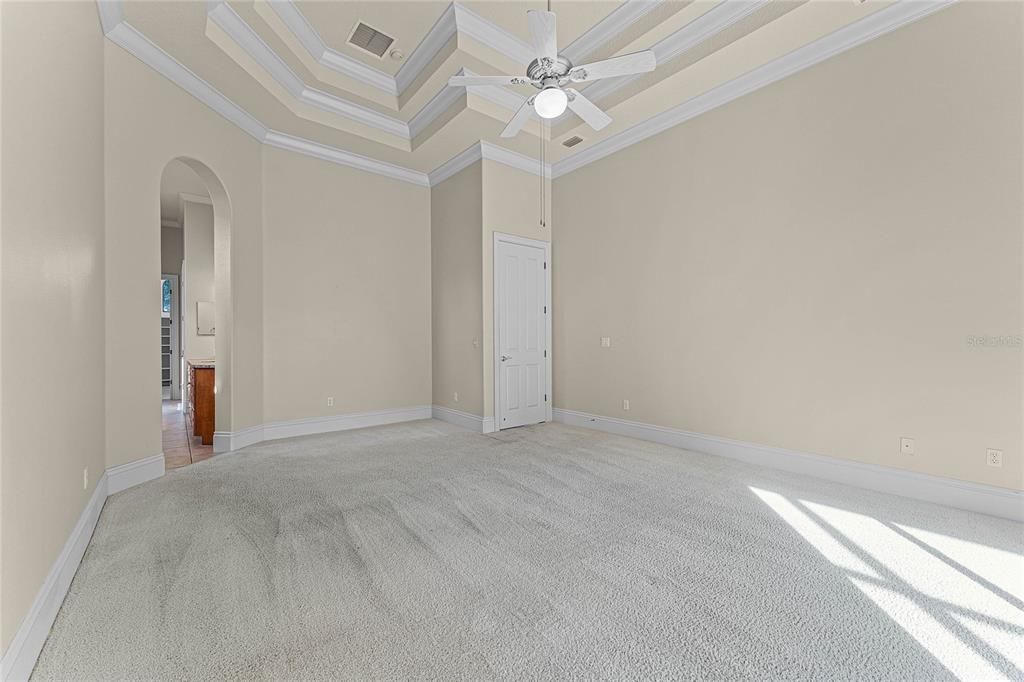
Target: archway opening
195,311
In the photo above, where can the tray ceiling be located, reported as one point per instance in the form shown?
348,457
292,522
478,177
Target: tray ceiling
283,69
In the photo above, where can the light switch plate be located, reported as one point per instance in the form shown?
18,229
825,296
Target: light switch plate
994,458
906,446
606,342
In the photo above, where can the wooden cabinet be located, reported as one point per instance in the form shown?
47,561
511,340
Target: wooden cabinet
201,400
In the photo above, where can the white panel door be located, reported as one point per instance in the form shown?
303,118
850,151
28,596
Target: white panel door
521,314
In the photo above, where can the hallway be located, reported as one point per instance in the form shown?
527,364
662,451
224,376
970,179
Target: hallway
180,448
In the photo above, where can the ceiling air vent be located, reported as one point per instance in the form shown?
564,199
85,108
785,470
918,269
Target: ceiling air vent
573,141
370,39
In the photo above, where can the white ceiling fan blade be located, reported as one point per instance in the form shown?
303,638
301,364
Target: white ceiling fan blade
587,110
626,65
543,34
457,81
519,120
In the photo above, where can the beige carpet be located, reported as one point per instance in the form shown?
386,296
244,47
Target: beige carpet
421,551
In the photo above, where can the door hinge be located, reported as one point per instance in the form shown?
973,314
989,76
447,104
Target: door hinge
545,353
545,265
545,310
545,397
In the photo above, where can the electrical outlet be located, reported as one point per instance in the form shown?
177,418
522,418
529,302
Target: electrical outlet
994,458
330,401
606,342
456,396
625,405
85,478
906,446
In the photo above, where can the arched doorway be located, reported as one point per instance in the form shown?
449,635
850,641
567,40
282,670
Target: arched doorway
196,324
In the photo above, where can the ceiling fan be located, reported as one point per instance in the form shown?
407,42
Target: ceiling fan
551,73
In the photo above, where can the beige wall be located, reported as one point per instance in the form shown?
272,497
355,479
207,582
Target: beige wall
456,237
466,211
347,289
197,224
52,245
172,250
150,121
512,200
803,267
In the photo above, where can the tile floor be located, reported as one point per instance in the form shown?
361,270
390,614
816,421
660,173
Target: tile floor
180,448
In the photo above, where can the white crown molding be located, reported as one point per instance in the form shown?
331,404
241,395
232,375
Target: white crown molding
446,97
314,44
460,161
455,19
126,36
485,150
707,25
617,21
948,492
859,32
355,112
111,14
298,24
443,30
527,164
879,23
345,158
449,95
492,35
224,16
720,17
243,34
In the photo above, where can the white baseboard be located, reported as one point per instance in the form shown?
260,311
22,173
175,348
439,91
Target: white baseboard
21,655
225,441
976,497
343,422
133,473
470,422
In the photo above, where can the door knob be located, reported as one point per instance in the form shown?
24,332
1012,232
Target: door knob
506,357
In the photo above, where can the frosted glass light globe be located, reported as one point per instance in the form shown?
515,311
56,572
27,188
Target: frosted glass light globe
550,103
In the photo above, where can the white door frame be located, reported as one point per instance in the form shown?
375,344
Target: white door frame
496,360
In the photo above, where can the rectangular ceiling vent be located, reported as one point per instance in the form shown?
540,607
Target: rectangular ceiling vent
573,141
370,39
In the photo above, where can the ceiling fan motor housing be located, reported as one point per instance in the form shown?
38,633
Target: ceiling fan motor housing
544,73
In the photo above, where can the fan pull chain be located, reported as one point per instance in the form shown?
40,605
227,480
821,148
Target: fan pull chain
543,188
543,178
